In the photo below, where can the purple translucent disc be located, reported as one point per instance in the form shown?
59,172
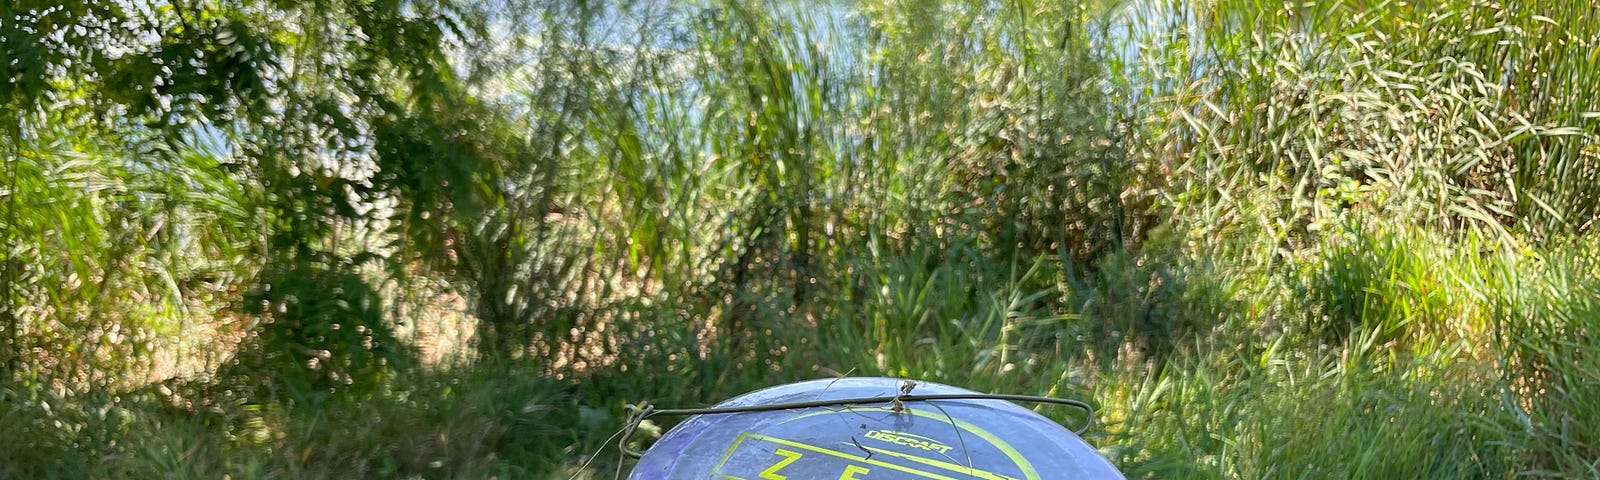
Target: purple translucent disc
940,439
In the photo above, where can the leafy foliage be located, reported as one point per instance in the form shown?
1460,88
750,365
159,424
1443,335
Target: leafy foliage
1204,216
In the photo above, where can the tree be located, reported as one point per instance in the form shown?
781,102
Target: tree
259,136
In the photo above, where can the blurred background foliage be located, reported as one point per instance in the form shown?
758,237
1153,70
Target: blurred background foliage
452,238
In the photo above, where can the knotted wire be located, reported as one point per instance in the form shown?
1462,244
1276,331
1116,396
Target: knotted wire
637,414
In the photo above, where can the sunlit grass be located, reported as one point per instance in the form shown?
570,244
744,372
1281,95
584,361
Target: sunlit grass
1330,240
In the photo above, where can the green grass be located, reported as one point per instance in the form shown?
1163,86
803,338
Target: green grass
1333,240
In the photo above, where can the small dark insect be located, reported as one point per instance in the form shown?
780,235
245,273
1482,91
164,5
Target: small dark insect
905,389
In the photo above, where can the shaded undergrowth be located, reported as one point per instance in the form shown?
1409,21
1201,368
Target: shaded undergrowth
1326,240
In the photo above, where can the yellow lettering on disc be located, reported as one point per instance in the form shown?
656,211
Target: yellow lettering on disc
851,471
771,473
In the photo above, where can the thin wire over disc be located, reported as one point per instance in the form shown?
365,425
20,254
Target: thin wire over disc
928,439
